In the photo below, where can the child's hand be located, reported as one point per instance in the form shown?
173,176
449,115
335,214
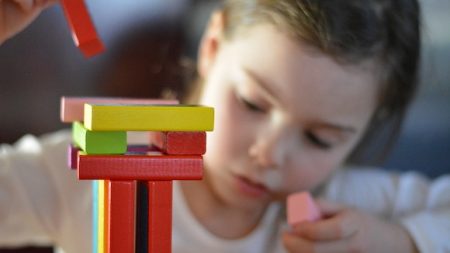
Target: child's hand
15,15
347,230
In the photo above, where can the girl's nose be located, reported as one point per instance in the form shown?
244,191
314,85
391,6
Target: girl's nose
272,149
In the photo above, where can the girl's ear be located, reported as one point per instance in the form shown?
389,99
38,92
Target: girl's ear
209,44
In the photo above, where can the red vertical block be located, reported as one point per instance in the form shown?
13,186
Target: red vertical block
160,216
180,143
122,210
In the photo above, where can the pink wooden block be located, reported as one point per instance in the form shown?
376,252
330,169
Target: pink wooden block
72,108
301,207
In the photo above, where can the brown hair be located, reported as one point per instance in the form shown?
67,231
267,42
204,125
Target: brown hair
350,31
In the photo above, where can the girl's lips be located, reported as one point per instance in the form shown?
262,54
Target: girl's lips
250,188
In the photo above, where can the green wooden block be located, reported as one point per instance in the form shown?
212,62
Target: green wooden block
99,142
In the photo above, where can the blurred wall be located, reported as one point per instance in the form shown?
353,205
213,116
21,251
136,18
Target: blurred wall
424,143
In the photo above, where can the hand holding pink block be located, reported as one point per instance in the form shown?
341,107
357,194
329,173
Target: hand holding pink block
301,207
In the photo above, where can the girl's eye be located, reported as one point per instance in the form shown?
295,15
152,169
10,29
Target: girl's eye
250,105
317,141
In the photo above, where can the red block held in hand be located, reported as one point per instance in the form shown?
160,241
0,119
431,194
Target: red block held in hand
83,31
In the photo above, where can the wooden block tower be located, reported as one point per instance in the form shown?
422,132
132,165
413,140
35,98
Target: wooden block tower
132,185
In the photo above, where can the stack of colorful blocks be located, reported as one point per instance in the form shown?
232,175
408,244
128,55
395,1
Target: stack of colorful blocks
132,189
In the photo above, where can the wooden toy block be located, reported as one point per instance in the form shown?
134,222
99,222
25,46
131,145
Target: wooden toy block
180,143
160,216
102,188
122,211
140,167
101,117
72,108
142,217
106,215
301,207
72,156
95,142
95,215
83,31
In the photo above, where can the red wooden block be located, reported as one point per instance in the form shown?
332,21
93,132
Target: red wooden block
72,157
121,218
160,217
180,143
140,167
83,31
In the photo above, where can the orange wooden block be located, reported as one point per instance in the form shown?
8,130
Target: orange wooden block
180,143
140,167
83,31
121,218
160,217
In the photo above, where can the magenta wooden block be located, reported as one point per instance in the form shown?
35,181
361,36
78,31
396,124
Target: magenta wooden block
72,157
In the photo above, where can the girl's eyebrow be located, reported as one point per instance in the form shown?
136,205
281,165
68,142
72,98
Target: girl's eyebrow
262,85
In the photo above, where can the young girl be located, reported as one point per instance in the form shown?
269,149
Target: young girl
297,86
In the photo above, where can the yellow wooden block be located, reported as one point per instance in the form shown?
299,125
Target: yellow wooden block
102,117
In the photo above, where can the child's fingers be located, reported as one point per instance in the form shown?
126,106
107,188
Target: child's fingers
340,246
25,5
338,227
294,243
329,208
31,5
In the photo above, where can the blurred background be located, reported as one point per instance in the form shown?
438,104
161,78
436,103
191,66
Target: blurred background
145,41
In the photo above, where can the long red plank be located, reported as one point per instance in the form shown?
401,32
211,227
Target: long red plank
140,167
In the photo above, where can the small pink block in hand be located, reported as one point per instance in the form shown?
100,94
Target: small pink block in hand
301,207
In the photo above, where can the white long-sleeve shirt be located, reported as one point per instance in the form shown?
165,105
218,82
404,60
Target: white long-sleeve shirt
42,202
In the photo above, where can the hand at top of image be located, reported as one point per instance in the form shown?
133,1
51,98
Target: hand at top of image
16,15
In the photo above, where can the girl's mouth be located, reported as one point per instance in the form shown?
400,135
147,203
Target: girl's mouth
250,188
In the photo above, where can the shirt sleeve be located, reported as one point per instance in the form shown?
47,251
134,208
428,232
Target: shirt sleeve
421,205
41,200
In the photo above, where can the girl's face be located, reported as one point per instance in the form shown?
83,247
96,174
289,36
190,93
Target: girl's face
286,116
